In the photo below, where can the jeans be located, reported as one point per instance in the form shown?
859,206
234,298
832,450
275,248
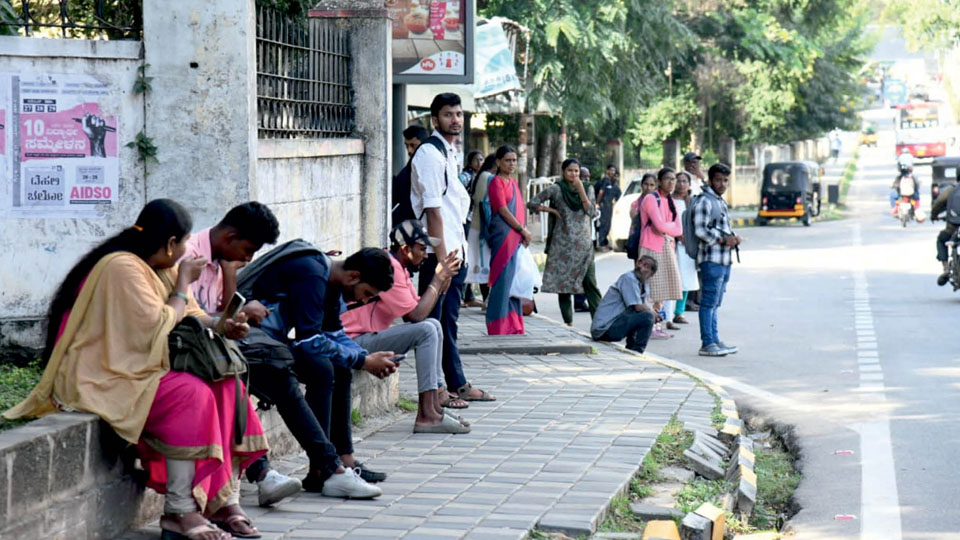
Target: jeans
603,229
328,395
714,277
425,337
945,235
447,311
590,290
636,326
272,379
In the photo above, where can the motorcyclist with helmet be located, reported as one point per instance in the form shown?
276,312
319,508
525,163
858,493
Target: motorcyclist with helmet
950,205
909,189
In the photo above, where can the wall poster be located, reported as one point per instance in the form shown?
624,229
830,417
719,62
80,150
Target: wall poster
432,41
58,148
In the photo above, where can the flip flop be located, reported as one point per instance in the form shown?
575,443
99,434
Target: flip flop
447,425
192,534
448,403
464,393
460,419
227,525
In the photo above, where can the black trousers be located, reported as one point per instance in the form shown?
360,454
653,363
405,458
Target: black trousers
273,379
447,311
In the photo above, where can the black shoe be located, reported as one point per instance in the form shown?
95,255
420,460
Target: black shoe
369,476
312,483
943,278
581,309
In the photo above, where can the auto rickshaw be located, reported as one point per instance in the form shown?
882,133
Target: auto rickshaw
945,171
791,189
868,135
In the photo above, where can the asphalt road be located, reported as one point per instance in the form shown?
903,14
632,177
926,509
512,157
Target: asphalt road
844,337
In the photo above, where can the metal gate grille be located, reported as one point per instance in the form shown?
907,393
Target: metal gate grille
77,19
303,78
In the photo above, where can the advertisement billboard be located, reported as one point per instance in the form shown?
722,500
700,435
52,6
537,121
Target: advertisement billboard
432,41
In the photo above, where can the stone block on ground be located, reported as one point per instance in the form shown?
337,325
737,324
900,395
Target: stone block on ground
728,502
707,452
730,413
661,530
735,470
731,429
745,442
711,442
696,527
678,474
616,536
703,466
746,496
758,536
652,512
717,517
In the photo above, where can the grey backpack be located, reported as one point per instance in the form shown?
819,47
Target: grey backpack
691,242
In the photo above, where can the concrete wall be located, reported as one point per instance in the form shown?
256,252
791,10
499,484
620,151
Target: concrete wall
202,110
201,115
314,188
36,253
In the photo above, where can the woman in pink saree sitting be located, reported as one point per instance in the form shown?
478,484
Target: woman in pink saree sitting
107,354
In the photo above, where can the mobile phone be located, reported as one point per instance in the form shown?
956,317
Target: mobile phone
231,311
398,358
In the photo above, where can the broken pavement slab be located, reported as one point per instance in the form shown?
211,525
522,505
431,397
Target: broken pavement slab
652,512
705,467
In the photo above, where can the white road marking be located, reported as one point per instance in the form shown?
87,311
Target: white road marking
879,500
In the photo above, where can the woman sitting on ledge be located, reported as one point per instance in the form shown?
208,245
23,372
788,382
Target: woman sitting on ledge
106,353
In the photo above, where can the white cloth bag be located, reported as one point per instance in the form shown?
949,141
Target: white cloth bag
528,275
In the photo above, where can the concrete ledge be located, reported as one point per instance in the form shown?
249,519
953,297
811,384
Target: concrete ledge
68,476
295,148
70,48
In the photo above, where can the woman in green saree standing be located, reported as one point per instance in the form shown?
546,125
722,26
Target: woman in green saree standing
570,268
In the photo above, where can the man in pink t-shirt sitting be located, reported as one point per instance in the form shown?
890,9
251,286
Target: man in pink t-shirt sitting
370,325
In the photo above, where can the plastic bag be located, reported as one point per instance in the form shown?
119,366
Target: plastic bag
527,279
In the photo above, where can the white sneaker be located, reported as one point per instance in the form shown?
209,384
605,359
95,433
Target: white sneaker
275,487
349,485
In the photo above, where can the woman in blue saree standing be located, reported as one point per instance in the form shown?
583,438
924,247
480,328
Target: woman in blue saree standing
505,233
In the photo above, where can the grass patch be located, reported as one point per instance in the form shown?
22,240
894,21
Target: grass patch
15,384
407,405
356,418
672,441
777,479
537,534
700,491
620,518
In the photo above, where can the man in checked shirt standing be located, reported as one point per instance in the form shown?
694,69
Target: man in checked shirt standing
711,222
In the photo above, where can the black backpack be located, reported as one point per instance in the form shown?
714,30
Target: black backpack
402,207
249,274
633,241
953,207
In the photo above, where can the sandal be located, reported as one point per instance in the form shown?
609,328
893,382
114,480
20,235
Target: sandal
463,421
229,523
680,319
447,425
194,533
671,326
464,393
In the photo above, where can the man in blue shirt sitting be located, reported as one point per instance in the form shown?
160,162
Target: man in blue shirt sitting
623,312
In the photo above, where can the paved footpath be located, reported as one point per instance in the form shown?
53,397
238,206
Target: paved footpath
565,435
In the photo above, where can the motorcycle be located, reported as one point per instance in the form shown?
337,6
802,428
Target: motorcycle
953,263
905,211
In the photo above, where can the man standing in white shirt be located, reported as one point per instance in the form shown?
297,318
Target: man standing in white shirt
442,203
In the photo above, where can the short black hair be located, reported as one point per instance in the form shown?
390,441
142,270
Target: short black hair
611,166
416,132
448,99
253,221
653,263
717,168
374,267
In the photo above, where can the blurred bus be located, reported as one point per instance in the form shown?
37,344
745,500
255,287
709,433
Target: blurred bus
918,130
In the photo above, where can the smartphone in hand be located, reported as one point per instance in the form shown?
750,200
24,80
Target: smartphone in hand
231,311
398,358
